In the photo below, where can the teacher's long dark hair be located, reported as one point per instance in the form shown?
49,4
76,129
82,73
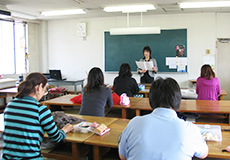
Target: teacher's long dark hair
95,80
28,86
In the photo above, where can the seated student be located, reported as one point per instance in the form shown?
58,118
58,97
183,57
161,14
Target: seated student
161,135
207,85
124,83
26,120
95,96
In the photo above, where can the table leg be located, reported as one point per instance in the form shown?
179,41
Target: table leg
75,151
124,114
221,97
138,112
82,84
47,105
228,119
75,89
4,101
146,95
96,152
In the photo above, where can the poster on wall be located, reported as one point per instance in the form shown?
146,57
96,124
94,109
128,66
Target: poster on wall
180,50
178,63
209,58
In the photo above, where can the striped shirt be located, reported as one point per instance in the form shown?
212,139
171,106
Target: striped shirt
25,122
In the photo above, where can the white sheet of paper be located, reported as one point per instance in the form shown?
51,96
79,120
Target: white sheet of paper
172,64
209,60
145,65
169,59
149,65
140,65
180,68
182,61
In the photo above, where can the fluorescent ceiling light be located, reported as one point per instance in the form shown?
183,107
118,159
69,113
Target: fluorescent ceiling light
130,8
63,12
23,16
135,30
205,4
4,16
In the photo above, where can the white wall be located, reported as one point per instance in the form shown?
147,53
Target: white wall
33,47
223,25
74,56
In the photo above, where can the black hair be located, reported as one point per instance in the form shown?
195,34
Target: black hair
165,93
27,87
148,49
125,70
95,80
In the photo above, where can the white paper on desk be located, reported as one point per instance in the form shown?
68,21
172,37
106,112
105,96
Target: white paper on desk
145,65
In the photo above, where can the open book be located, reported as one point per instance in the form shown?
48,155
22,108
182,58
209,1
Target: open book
145,65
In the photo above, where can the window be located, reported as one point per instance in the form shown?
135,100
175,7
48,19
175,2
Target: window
13,48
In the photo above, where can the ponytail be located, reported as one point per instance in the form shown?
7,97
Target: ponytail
24,89
28,86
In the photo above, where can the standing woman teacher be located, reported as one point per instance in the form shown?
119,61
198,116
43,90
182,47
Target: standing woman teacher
147,76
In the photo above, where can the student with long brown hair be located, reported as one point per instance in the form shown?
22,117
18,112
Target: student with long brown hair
26,121
95,96
207,85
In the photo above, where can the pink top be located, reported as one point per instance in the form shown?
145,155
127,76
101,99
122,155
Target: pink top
208,89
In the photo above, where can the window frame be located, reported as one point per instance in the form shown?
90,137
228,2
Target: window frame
26,69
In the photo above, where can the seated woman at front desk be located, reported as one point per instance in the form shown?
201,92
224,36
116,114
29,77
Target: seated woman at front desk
147,76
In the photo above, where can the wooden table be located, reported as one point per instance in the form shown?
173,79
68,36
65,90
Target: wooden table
65,101
138,104
223,93
193,81
9,92
146,93
60,101
215,148
74,138
190,106
109,139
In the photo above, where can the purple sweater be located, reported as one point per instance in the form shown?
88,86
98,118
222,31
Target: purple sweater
208,89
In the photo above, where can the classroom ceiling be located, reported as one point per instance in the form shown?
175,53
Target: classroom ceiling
94,8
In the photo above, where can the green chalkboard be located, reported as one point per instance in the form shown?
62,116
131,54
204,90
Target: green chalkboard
128,48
